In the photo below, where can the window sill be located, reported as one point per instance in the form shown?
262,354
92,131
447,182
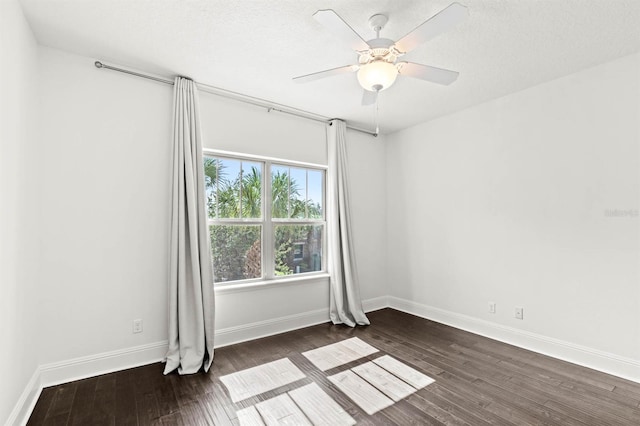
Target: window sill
264,284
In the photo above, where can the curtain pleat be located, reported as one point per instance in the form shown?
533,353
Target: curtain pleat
191,296
345,302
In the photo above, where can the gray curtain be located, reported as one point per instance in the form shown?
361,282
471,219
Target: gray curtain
191,296
345,302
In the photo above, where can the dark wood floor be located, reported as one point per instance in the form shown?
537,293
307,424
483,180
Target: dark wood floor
478,382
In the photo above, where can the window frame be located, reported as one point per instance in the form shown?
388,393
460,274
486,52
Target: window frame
268,223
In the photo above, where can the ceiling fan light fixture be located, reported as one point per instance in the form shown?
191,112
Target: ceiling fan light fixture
377,75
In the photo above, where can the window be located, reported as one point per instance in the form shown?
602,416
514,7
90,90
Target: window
266,217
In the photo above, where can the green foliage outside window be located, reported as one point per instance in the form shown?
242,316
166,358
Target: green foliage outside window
234,191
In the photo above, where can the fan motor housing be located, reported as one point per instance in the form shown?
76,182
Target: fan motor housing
381,49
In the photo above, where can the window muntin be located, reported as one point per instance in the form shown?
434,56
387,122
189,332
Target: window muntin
264,229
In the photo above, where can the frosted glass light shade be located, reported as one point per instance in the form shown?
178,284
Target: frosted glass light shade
377,73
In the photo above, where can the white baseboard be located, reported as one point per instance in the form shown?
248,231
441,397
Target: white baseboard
256,330
375,303
106,362
23,408
616,365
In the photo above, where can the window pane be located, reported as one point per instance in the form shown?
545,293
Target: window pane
210,178
228,190
315,183
236,252
280,192
298,249
251,190
298,193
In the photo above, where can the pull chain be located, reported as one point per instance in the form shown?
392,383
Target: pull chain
377,112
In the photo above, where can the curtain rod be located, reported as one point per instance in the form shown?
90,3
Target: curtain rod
270,106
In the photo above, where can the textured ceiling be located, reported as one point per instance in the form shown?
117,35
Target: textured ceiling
256,47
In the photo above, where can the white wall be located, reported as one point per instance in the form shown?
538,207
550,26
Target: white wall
105,210
104,207
19,177
506,202
367,165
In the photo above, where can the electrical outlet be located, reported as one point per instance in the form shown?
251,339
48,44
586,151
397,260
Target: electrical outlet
492,307
137,326
519,312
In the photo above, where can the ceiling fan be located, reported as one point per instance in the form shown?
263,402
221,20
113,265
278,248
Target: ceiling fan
378,65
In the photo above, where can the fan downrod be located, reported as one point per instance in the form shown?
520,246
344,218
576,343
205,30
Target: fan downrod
377,22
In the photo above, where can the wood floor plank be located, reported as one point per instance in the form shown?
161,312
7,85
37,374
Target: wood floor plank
226,405
281,410
261,378
125,401
41,408
553,369
361,392
194,413
404,413
166,397
576,413
145,380
483,404
384,381
214,406
439,411
524,409
319,407
339,353
173,419
104,401
594,392
250,417
147,408
321,379
404,372
62,403
456,405
83,402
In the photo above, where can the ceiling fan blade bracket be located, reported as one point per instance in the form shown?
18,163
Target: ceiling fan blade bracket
428,73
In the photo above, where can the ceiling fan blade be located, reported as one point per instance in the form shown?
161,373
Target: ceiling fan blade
326,73
426,72
444,20
341,29
369,97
